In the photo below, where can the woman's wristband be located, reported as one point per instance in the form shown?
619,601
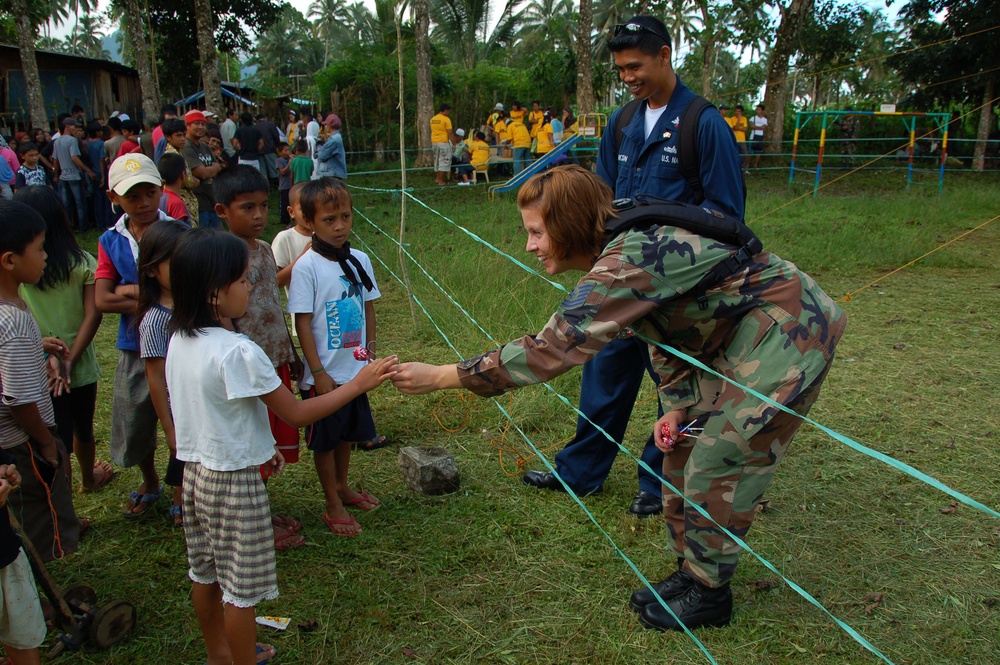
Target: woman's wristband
316,371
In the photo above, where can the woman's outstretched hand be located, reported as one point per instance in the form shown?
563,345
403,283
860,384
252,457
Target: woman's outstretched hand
421,378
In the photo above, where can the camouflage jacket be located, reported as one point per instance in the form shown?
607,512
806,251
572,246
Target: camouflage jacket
769,327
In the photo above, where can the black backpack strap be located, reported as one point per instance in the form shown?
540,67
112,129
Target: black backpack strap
687,145
650,211
624,118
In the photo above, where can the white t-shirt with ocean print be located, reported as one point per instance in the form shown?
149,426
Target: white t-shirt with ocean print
320,288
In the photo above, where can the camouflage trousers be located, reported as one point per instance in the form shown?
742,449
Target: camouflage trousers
726,475
850,149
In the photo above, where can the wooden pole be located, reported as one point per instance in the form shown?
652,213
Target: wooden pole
402,170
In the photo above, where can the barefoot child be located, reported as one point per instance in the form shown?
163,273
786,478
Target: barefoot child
155,304
63,306
223,437
27,423
135,185
241,194
331,298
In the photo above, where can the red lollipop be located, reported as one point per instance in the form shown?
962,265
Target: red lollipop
361,353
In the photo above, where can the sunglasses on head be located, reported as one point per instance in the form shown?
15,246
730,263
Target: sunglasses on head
634,28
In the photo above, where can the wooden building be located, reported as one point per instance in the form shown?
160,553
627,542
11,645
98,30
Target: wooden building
99,86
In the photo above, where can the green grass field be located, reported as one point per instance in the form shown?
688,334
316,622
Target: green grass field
501,573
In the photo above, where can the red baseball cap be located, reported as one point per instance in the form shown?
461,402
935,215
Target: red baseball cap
194,116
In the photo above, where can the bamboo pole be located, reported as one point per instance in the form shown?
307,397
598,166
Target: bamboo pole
402,171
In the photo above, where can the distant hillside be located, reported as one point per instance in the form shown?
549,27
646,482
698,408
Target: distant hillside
113,45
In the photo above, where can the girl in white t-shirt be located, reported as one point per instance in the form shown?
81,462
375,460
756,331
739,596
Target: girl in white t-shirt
221,385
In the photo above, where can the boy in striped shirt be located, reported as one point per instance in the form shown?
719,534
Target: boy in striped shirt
27,421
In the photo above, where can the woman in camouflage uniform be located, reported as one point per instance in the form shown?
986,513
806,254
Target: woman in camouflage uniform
768,326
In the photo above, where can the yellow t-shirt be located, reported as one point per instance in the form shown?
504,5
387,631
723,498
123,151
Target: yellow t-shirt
739,125
536,118
501,130
480,153
517,115
440,124
545,138
519,135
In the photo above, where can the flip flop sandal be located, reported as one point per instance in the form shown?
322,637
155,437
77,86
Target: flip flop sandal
287,540
286,522
350,521
139,499
176,514
261,650
363,497
380,441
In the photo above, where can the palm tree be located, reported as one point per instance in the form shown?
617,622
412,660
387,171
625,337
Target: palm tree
462,26
330,16
27,17
584,62
208,54
87,37
135,31
683,21
425,91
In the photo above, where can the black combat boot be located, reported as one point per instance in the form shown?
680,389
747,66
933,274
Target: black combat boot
673,586
698,606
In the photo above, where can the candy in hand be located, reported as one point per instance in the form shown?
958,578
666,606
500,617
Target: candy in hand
361,353
667,438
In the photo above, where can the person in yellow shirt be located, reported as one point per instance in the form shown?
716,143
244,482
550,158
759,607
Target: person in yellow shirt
740,127
441,139
516,111
500,130
536,118
480,150
520,139
491,122
545,136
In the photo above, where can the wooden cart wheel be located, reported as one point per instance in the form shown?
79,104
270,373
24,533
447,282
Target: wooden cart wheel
81,593
112,624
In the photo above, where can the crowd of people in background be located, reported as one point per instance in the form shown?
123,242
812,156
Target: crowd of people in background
516,137
75,160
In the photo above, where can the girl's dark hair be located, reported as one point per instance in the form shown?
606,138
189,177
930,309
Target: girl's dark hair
60,243
204,262
155,246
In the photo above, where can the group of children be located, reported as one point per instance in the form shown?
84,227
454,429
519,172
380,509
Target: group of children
205,351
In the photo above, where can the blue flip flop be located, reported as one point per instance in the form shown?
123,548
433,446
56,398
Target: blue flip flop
138,499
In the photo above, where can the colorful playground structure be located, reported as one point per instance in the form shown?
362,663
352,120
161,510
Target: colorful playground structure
828,118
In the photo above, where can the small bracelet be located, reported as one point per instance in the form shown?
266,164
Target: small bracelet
316,371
